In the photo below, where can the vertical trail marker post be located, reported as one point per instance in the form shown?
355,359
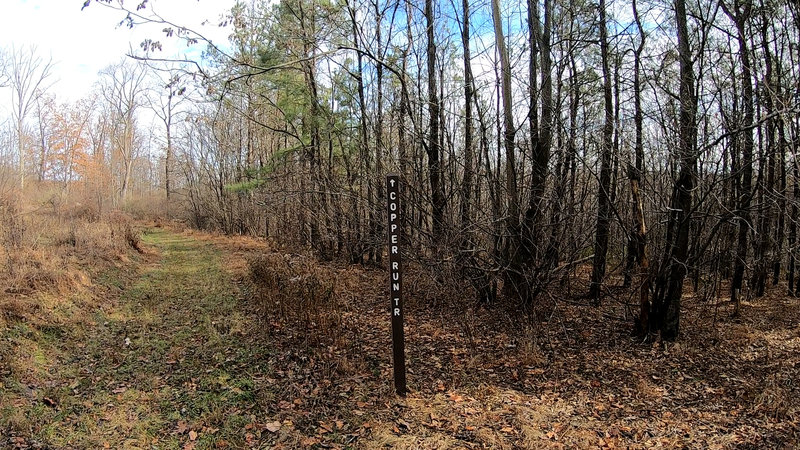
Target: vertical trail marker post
396,282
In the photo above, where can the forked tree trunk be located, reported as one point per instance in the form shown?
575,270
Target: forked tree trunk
766,242
515,277
637,248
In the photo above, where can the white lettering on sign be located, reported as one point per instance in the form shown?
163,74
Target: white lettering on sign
395,230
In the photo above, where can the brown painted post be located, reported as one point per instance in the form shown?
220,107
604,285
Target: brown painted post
396,281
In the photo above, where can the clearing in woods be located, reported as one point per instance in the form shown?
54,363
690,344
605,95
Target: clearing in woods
179,356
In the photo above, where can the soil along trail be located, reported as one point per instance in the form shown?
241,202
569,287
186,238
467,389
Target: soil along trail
167,365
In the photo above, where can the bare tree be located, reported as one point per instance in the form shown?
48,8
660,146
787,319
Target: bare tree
665,315
637,243
604,189
516,282
123,87
165,102
739,15
26,74
433,147
3,68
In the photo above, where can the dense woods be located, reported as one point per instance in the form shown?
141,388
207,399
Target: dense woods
655,141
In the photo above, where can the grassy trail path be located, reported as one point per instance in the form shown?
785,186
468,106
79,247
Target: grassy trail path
166,365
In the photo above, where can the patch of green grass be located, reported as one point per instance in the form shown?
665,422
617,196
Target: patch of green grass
111,278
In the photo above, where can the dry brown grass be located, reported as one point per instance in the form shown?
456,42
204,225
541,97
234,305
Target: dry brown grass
50,252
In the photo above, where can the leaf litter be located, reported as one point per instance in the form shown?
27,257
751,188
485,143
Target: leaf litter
479,377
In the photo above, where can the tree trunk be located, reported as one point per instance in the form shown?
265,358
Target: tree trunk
377,244
745,193
357,253
793,230
541,133
21,153
603,195
168,156
766,242
433,149
637,246
665,312
512,221
466,181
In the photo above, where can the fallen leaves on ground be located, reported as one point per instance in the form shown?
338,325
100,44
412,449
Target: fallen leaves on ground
479,377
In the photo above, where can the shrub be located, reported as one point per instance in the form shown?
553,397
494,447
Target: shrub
122,228
12,223
297,291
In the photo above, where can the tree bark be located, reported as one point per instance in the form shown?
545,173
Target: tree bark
603,195
438,199
745,194
637,247
766,242
665,313
466,181
532,230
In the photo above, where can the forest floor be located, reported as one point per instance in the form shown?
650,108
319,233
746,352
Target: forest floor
177,352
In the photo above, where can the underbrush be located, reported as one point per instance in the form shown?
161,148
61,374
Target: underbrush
316,299
474,368
55,250
299,292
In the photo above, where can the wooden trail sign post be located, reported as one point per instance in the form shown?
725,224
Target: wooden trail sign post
396,282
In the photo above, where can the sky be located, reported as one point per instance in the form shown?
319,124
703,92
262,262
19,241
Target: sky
83,42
